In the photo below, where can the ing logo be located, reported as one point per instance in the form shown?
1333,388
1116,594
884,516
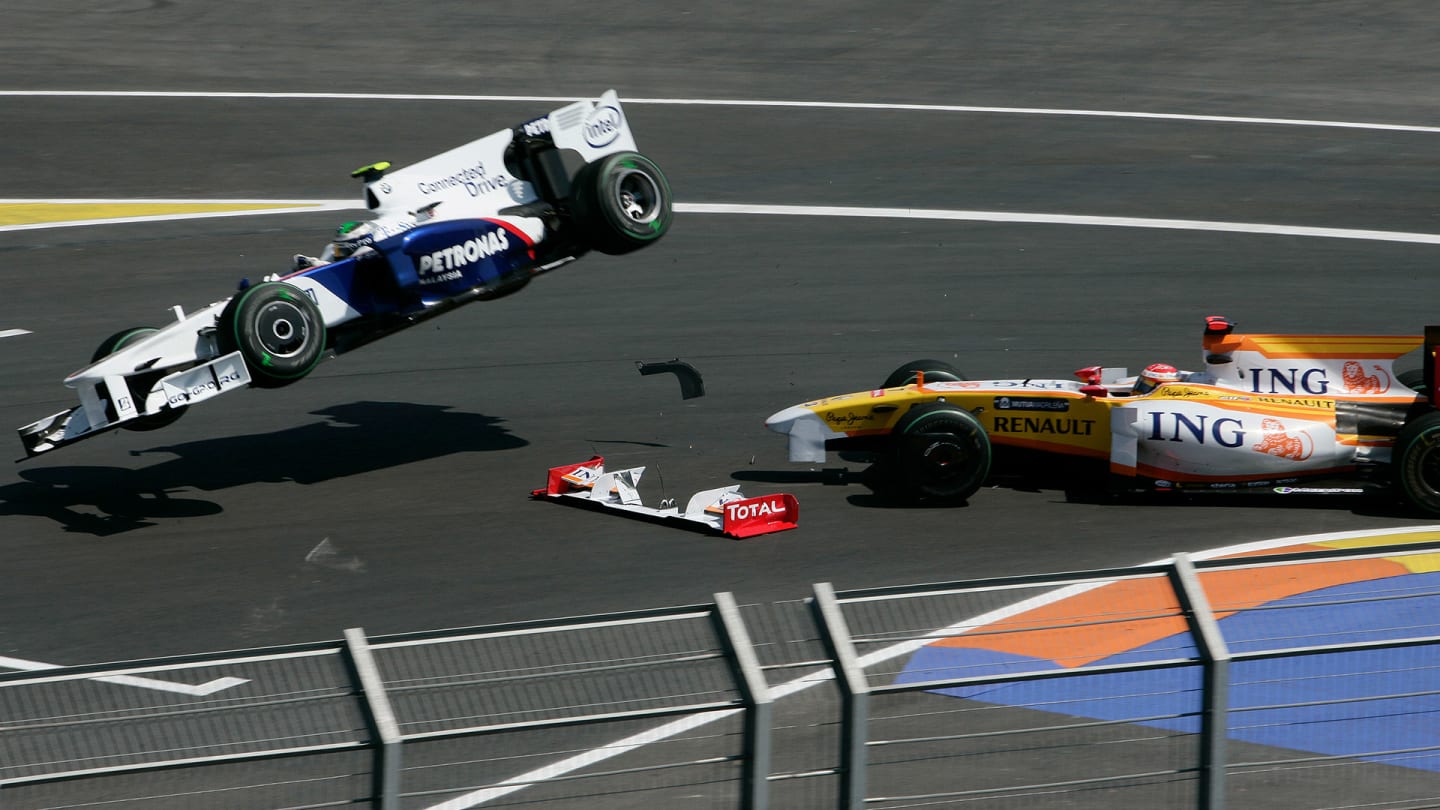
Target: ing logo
1358,382
1279,443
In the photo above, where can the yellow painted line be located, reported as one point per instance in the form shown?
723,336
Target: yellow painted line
33,213
1414,563
17,214
1382,539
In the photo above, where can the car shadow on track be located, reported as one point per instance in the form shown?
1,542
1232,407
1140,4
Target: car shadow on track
865,496
355,438
862,479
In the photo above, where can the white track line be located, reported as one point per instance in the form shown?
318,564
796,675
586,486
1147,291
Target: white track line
1059,219
787,210
4,333
831,105
566,766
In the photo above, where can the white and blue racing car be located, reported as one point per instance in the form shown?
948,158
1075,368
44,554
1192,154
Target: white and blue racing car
471,224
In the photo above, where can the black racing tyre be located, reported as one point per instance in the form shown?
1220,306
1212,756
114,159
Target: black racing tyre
139,384
935,371
1413,378
1417,462
622,203
277,329
939,451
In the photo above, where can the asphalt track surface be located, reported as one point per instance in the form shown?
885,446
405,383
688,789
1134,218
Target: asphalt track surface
412,458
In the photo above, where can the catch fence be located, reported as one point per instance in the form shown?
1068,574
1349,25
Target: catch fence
1305,680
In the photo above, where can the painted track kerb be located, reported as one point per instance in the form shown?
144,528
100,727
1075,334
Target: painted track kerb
829,105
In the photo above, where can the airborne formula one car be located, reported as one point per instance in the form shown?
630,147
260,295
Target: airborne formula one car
471,224
1275,414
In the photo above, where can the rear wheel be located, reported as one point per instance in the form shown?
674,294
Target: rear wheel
939,452
1417,462
277,329
935,371
1413,378
139,384
622,203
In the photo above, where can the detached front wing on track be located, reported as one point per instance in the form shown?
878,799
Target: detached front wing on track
724,510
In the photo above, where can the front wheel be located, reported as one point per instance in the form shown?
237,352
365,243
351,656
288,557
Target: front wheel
935,371
939,452
277,329
139,384
1417,462
622,203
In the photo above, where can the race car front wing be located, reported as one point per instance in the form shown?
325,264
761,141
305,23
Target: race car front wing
96,414
724,509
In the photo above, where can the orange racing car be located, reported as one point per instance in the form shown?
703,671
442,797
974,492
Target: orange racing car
1273,414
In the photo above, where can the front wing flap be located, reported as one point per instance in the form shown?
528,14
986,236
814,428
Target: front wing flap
724,509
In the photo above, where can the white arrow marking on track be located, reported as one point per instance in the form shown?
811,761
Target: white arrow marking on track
140,682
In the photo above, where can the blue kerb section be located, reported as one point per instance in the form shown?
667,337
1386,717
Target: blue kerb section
1171,698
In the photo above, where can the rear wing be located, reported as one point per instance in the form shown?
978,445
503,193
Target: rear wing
1348,366
724,510
473,181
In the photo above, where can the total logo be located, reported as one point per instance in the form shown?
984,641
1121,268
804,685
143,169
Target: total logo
1354,379
445,264
748,510
602,126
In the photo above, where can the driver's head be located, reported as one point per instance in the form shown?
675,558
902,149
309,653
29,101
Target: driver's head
352,236
1154,375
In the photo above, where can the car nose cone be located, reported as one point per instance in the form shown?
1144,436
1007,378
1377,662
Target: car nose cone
784,421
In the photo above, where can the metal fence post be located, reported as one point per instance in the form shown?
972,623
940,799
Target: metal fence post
755,779
855,695
1215,655
381,717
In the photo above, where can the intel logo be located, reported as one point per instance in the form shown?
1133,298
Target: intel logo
602,126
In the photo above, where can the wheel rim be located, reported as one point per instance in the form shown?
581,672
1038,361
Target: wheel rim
944,460
281,329
637,197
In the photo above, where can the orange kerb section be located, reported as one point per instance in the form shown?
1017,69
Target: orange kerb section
1124,615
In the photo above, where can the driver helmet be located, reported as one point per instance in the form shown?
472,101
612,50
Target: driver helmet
350,237
1154,375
